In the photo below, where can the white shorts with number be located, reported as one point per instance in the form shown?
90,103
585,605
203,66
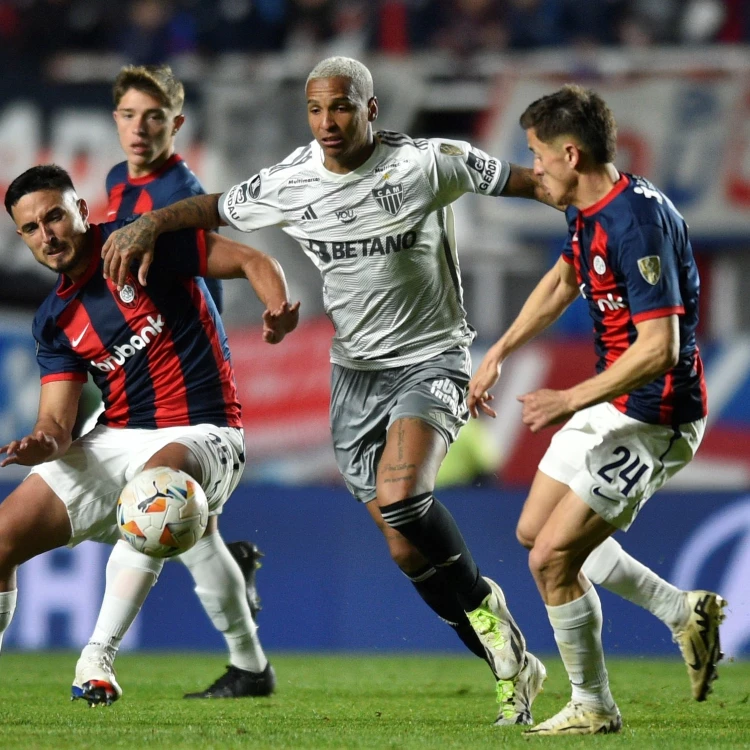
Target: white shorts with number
90,476
615,463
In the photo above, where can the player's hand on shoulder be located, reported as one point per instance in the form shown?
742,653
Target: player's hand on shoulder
484,378
277,323
134,241
30,450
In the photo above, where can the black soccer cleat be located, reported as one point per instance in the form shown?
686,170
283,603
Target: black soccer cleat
248,557
239,683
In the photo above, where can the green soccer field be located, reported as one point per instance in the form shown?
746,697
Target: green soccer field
335,701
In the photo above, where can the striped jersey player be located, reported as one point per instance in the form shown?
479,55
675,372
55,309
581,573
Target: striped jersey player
633,261
159,354
129,196
382,237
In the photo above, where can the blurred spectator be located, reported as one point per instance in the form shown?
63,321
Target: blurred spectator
470,26
156,30
534,23
310,24
736,28
241,25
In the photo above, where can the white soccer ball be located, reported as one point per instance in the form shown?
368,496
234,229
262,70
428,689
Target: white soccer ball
162,512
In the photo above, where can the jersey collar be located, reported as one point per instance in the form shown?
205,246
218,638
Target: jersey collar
151,176
617,188
355,174
66,288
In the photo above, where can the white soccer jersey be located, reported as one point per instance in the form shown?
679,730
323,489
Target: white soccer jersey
381,236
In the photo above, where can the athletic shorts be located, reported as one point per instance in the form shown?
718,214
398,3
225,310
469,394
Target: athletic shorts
91,474
365,403
614,463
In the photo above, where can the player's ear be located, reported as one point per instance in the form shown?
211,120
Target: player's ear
83,209
177,123
572,154
372,109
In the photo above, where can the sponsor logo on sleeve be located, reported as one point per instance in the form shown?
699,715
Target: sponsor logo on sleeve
245,192
487,168
650,268
476,163
450,149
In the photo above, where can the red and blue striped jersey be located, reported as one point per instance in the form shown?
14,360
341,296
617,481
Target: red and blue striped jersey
634,262
158,354
131,196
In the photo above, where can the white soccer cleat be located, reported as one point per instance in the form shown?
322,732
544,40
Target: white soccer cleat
699,640
499,634
517,696
95,680
576,718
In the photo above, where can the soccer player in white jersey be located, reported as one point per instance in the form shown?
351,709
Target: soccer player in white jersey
372,211
631,426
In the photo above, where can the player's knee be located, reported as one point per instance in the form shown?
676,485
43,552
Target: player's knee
526,535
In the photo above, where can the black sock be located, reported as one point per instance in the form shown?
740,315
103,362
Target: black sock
439,596
430,527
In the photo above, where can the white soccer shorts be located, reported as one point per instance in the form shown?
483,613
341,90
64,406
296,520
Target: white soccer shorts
614,463
90,476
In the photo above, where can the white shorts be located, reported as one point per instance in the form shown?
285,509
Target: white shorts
614,463
90,476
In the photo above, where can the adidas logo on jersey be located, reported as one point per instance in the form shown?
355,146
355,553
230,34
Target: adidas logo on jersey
309,214
136,343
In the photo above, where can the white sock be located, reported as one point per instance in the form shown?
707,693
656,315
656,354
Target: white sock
614,569
578,633
7,608
130,576
220,586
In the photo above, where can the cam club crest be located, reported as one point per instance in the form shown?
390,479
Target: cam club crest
389,198
650,268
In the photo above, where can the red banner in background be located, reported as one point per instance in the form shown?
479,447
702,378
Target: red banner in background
283,388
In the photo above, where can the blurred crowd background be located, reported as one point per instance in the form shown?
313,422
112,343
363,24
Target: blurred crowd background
34,33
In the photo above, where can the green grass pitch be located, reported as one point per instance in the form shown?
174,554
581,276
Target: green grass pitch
337,701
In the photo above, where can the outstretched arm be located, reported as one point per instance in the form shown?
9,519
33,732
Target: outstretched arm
228,259
523,183
52,434
551,296
655,350
136,241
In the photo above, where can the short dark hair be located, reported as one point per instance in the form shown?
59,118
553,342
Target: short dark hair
156,80
577,112
41,177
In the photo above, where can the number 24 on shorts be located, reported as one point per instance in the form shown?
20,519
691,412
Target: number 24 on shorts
631,472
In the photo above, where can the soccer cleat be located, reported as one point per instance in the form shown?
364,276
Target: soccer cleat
699,640
516,696
576,718
248,557
499,634
95,680
239,683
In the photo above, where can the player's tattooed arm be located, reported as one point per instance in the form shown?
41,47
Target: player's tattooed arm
136,241
523,183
